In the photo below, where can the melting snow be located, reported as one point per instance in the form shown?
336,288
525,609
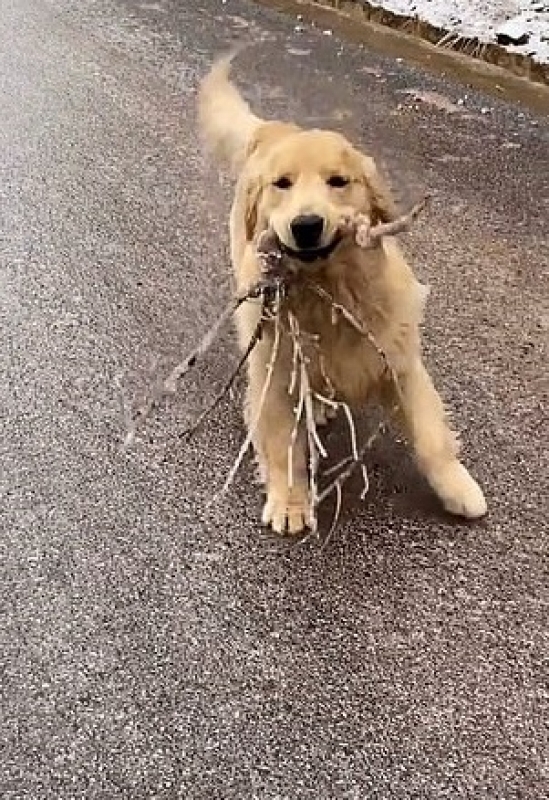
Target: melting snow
522,26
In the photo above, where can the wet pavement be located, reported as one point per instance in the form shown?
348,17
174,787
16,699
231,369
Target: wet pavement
155,645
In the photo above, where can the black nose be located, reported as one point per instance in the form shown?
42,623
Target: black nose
307,230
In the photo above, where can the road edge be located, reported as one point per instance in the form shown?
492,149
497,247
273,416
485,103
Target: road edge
523,66
348,20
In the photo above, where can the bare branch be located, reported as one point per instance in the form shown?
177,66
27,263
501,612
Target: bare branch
316,448
368,237
170,384
399,225
256,336
360,328
255,421
338,467
298,413
352,433
335,519
352,464
293,374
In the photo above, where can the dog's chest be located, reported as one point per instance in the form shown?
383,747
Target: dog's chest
344,363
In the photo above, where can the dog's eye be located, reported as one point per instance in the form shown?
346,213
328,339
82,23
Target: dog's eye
283,183
338,181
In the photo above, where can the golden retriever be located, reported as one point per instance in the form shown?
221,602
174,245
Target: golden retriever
301,184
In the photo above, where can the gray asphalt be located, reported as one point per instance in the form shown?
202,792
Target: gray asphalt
154,645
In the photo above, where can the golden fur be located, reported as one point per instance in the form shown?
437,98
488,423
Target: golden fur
377,285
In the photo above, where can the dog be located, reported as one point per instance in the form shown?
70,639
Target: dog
300,184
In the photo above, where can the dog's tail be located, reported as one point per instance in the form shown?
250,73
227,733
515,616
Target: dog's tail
226,120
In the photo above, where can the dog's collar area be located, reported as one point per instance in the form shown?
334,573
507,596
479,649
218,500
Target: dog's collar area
309,256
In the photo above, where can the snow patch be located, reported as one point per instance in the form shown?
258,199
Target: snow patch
521,26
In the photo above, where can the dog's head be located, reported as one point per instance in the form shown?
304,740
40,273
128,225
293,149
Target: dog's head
301,184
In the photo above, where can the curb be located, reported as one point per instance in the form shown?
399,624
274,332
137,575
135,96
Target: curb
353,20
520,65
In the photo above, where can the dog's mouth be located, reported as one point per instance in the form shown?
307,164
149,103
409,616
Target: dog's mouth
314,254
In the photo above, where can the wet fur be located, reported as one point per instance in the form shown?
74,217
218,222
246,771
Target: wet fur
377,285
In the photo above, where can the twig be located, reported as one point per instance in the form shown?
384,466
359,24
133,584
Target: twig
352,466
293,374
262,289
399,225
256,336
315,446
297,335
254,423
368,237
313,440
359,326
170,384
354,463
133,416
352,433
335,518
298,413
337,467
310,411
325,377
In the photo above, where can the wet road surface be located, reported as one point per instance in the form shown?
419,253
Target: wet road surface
157,646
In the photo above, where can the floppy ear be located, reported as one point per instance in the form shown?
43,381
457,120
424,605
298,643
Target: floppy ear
266,135
383,206
252,194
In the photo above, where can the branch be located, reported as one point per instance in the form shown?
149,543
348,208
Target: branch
255,421
262,289
340,310
368,237
256,336
352,465
170,384
315,446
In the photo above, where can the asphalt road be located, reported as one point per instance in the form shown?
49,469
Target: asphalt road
154,645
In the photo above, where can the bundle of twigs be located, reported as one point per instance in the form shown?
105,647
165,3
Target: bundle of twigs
278,275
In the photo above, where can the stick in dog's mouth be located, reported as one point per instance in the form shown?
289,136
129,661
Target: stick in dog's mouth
359,227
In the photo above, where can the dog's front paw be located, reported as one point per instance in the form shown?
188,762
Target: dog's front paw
459,492
288,510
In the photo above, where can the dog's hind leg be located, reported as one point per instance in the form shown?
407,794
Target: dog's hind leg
435,445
